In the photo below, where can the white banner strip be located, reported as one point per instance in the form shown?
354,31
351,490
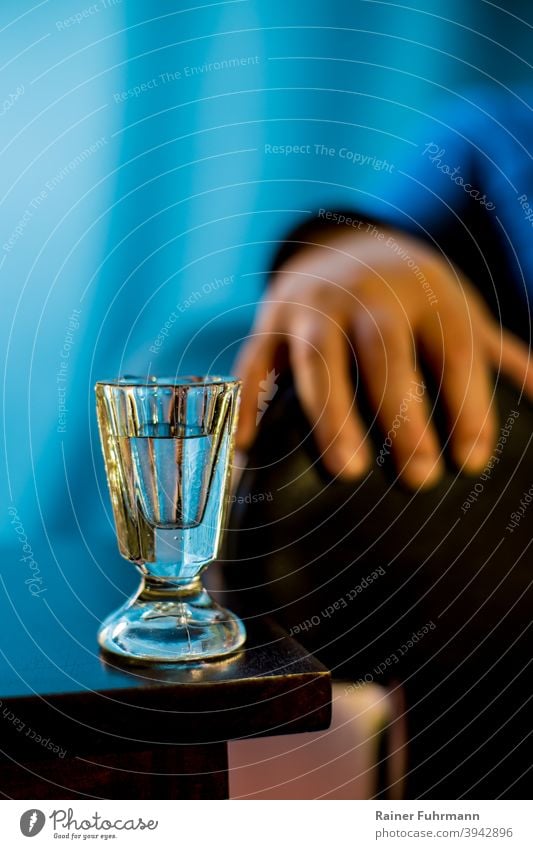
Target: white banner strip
246,825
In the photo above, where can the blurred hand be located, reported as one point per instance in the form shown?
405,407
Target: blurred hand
353,293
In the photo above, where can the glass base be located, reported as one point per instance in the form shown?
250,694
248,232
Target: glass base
169,623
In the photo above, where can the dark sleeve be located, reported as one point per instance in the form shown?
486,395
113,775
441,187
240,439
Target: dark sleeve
445,193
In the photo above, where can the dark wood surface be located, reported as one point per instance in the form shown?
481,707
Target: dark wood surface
163,772
72,721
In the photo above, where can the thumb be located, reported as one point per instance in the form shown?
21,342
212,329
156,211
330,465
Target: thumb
252,366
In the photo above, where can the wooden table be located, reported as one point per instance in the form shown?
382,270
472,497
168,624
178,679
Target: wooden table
75,725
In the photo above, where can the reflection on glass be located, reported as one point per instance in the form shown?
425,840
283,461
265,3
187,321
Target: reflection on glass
167,447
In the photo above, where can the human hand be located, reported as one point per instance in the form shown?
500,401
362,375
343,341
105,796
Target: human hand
392,302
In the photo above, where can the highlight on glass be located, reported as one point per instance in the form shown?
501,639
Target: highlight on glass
168,446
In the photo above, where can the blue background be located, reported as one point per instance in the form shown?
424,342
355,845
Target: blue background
180,191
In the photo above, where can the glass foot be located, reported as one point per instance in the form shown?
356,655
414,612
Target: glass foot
171,624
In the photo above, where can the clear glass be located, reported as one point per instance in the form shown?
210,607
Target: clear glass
168,445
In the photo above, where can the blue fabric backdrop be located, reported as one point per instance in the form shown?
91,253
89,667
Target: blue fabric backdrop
145,184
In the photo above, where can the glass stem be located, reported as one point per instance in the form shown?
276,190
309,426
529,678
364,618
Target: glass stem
159,589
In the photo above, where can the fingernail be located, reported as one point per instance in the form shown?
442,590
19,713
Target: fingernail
422,471
472,456
343,460
239,460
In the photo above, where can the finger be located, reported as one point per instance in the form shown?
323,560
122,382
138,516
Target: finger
319,356
511,356
253,366
459,362
397,393
505,351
